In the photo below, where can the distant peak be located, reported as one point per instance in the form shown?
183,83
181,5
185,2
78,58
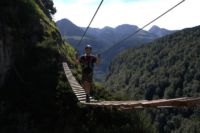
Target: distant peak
107,27
159,31
127,26
64,20
155,28
68,28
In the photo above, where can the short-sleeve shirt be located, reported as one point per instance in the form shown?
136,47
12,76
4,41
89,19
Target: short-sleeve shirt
87,63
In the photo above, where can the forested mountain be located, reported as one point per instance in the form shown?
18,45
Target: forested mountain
114,50
35,96
165,68
143,37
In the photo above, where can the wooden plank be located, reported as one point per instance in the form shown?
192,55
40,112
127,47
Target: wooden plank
81,96
160,103
76,86
82,99
170,102
80,93
190,102
78,89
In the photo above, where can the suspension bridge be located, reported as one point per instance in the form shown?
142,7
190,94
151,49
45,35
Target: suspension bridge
124,105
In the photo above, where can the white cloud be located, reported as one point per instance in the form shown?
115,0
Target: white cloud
115,12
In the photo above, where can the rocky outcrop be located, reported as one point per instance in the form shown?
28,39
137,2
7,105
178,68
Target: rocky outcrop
23,26
28,67
6,41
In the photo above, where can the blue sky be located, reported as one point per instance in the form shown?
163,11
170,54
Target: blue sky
136,12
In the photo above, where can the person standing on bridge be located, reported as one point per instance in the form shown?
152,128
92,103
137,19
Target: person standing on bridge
87,62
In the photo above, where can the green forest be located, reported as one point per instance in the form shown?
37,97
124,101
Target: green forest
165,68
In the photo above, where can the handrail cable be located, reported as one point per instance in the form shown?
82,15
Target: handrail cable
150,22
90,22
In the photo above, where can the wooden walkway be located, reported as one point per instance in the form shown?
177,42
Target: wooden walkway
76,87
160,103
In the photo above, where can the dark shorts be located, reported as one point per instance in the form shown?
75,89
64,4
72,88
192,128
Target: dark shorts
87,76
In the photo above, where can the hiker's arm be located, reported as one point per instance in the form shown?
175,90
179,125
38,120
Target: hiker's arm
98,61
77,59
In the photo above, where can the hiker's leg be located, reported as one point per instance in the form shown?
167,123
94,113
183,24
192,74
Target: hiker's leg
87,81
86,85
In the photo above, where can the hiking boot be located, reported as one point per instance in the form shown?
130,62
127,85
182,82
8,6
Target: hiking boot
87,98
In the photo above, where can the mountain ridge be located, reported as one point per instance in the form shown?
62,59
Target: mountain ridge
106,41
121,30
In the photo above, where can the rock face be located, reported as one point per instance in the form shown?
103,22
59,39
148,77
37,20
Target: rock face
28,65
5,54
21,30
6,42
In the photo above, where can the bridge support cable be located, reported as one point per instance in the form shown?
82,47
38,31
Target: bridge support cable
149,23
90,22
